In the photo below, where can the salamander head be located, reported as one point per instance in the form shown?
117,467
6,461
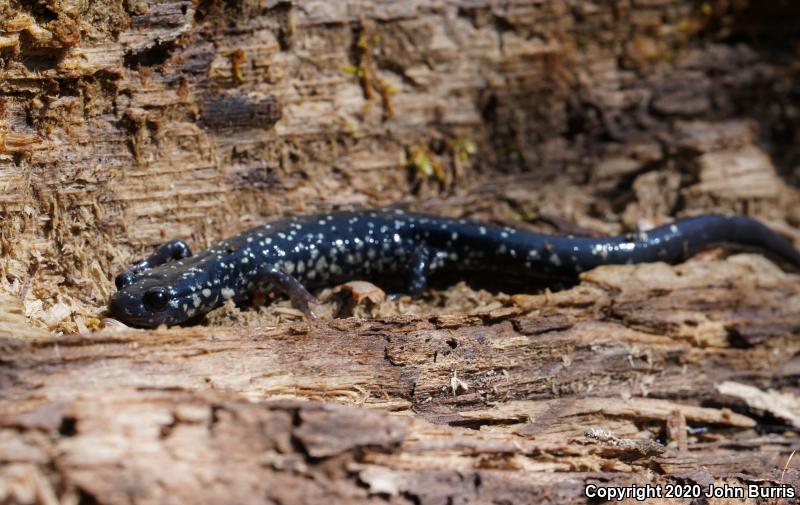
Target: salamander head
150,299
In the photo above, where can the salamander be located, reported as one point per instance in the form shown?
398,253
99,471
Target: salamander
299,254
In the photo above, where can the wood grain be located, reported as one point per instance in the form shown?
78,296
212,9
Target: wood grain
526,403
125,124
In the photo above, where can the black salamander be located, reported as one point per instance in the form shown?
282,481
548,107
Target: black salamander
293,255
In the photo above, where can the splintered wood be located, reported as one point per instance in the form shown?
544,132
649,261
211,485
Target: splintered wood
126,124
590,384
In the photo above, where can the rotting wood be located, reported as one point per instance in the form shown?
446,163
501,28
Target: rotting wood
123,124
113,136
565,390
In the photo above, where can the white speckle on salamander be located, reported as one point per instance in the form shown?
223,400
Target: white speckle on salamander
673,228
600,250
555,260
206,292
227,293
482,230
454,236
502,249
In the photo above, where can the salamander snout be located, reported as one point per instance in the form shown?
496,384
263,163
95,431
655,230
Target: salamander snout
143,308
126,307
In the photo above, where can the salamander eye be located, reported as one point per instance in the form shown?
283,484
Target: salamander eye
125,279
156,298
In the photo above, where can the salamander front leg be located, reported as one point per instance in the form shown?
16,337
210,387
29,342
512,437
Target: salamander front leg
171,251
297,293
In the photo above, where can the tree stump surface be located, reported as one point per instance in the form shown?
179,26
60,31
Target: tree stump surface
125,124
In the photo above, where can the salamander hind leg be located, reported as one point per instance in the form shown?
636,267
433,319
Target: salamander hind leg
171,251
298,294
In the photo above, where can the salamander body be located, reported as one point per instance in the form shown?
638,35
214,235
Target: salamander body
294,255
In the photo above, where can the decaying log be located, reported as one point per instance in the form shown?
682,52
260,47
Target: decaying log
124,124
523,403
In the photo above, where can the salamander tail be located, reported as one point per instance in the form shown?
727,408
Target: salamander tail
688,236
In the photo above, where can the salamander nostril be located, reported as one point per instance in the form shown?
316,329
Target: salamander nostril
156,299
125,279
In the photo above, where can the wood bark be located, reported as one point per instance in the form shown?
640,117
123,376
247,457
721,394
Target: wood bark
524,403
124,124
